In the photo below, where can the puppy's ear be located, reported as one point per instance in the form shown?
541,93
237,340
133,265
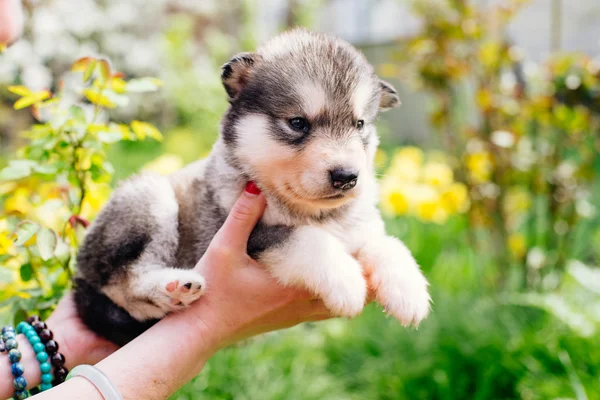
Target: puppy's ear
235,73
389,97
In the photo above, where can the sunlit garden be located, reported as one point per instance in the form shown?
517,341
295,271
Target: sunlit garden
498,200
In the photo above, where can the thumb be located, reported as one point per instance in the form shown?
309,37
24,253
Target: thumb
244,215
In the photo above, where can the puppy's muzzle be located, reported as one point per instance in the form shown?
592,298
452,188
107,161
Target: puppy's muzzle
344,179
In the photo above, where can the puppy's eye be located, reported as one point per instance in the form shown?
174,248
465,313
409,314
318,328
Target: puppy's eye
300,124
360,124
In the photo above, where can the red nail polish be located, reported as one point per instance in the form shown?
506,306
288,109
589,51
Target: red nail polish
252,188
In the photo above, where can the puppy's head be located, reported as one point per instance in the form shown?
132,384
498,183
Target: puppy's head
301,118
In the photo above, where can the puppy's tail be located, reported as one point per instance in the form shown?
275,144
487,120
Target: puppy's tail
104,317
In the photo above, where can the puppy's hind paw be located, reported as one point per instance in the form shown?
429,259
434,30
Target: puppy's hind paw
182,288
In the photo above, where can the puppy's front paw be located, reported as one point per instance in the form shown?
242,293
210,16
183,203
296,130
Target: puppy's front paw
396,278
344,293
405,296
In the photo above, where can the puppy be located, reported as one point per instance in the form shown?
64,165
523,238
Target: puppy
301,126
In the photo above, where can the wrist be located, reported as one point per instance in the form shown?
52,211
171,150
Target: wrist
30,363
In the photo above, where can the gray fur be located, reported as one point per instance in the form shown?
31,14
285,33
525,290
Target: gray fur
132,231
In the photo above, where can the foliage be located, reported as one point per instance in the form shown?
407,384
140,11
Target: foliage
60,180
475,345
527,148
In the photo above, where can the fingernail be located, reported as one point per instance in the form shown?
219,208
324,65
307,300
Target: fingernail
252,188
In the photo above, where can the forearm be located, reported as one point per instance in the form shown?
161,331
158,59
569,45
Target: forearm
153,366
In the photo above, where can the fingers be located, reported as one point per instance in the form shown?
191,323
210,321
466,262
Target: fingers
244,215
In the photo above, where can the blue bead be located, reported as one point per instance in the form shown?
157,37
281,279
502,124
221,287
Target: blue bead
21,394
38,347
42,356
46,378
35,339
21,326
30,334
14,355
7,329
20,383
9,335
17,369
45,367
11,344
45,386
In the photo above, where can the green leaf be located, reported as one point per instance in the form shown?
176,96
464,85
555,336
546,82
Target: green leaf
32,99
89,70
6,275
99,99
26,272
110,136
118,99
144,129
25,231
17,169
78,114
46,242
45,169
81,64
104,69
143,85
20,90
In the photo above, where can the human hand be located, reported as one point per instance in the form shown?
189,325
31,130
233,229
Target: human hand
11,21
242,299
77,342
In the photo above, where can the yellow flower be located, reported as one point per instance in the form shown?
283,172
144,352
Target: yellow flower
412,153
437,174
398,202
392,197
432,211
516,245
480,166
95,198
455,198
426,203
6,245
19,202
165,164
517,200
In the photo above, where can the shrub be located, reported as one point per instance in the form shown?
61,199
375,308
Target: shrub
60,180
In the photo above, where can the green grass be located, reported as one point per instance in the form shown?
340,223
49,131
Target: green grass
475,345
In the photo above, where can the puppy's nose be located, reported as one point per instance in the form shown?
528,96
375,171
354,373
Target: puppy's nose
343,178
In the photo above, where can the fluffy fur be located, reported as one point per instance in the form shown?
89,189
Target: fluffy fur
135,264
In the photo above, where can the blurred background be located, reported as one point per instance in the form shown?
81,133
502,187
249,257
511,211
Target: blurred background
489,172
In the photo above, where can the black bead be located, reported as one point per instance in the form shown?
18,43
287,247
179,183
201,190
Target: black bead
34,391
39,326
51,347
58,360
34,318
45,335
60,374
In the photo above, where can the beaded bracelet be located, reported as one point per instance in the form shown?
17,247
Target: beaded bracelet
9,338
51,346
40,353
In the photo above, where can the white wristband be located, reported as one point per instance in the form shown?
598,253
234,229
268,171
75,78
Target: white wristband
98,379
